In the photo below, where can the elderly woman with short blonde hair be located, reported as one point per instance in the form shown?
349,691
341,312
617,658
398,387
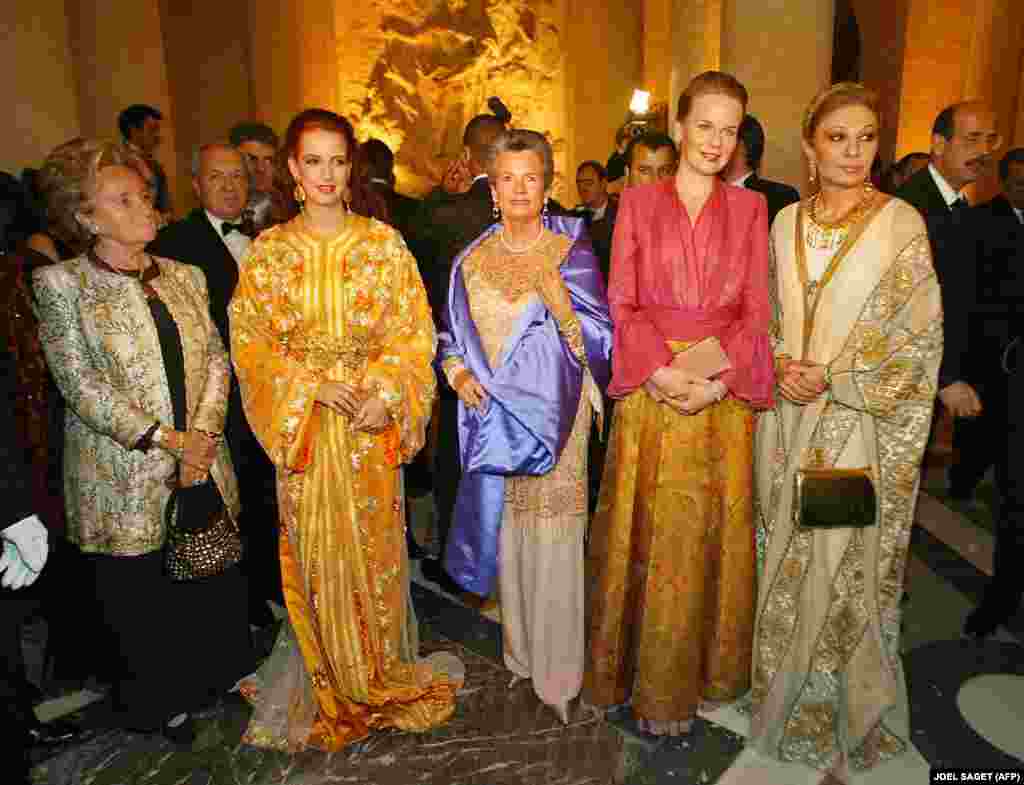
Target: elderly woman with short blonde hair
131,345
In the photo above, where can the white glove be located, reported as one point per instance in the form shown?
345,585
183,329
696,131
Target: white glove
16,574
30,537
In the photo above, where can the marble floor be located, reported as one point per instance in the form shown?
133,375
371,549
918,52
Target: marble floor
966,706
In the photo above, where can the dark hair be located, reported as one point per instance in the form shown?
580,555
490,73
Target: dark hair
710,83
1014,156
752,135
134,117
944,122
480,134
362,200
602,173
253,132
379,160
838,96
520,140
653,141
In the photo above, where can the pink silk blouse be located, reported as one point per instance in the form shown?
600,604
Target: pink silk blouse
673,281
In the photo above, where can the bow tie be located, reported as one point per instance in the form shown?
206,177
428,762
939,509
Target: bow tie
227,228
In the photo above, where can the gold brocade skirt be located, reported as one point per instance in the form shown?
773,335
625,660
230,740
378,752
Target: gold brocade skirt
671,562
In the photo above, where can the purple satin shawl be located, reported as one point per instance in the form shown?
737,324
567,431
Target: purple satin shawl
533,397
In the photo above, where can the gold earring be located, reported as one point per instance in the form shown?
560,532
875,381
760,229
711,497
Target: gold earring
814,171
300,194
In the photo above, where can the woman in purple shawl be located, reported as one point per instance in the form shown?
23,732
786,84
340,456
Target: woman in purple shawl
526,345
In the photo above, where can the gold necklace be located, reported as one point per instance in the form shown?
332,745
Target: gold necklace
826,235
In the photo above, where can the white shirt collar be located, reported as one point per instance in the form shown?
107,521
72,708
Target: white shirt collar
236,242
480,177
742,181
597,213
949,193
380,180
1020,213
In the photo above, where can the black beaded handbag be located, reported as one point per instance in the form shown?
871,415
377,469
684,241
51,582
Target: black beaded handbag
202,540
835,498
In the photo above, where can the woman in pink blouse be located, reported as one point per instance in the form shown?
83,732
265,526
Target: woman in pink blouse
672,551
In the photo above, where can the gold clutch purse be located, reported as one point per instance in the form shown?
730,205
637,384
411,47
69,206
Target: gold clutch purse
835,498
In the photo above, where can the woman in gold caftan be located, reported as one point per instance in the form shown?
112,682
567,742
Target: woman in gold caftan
333,341
859,339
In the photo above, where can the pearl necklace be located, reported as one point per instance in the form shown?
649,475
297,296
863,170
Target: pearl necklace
528,247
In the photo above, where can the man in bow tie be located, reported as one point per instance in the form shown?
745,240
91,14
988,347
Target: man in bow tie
215,238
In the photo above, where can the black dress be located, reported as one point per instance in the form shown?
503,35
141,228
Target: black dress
179,645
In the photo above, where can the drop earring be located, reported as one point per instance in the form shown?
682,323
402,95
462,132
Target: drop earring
300,195
496,212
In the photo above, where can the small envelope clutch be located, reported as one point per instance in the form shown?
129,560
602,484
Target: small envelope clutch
705,359
835,498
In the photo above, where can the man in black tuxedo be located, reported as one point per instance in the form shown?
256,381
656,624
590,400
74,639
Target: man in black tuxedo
448,223
598,210
746,161
403,211
995,325
214,238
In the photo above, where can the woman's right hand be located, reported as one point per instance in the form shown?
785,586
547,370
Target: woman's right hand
469,390
340,398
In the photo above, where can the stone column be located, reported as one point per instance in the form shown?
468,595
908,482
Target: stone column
120,60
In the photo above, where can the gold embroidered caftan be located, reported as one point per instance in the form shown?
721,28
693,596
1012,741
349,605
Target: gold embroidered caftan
828,686
348,308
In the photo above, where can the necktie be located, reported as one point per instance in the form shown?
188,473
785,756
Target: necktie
226,228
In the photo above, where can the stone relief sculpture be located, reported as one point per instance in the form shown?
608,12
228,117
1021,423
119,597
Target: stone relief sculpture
430,65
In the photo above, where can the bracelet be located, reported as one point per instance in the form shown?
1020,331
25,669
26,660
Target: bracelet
723,390
211,434
828,375
781,361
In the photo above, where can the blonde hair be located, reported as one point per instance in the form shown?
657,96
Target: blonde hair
67,179
837,96
710,83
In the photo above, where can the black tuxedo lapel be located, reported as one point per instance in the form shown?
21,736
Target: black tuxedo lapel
194,240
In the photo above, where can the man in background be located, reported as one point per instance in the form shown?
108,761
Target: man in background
140,126
598,209
214,238
650,157
259,144
742,169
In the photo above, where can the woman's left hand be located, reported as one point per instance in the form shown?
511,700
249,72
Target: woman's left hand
373,416
803,382
555,295
698,397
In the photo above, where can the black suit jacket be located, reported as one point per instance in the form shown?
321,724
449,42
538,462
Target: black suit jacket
448,223
778,195
193,240
601,232
1000,309
15,485
953,237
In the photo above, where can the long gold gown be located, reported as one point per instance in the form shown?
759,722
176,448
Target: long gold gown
347,308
